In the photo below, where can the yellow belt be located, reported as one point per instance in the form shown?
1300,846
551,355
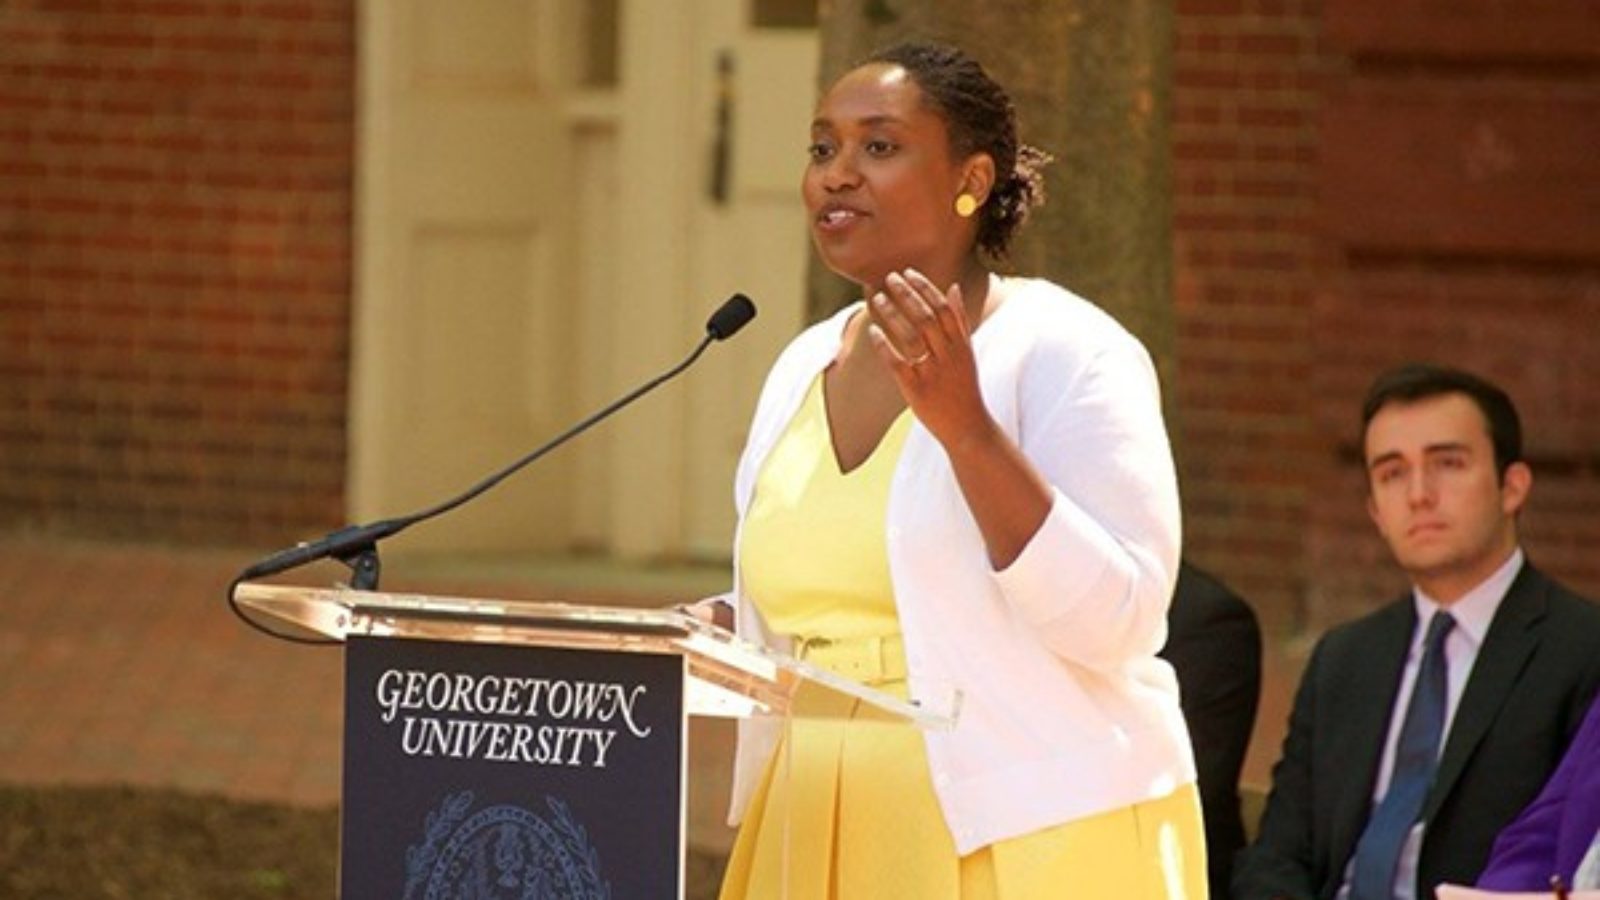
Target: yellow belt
868,660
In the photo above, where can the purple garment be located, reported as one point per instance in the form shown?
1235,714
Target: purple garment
1551,836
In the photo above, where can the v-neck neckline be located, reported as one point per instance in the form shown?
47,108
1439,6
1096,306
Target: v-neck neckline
833,445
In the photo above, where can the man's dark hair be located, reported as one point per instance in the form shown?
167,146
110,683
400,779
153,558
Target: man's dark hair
981,118
1417,381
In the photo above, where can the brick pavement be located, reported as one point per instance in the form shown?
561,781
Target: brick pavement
122,664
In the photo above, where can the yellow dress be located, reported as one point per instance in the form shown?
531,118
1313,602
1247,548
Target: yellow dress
846,810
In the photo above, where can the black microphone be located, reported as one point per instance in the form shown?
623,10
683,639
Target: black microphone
347,540
730,317
354,540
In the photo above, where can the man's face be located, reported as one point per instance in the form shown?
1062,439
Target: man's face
1435,496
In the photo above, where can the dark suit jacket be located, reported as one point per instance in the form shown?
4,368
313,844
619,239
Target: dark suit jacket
1214,644
1529,689
1553,834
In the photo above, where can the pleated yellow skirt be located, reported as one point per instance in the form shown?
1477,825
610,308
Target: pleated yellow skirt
847,812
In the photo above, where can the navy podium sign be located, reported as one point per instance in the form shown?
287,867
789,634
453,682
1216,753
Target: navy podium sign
487,771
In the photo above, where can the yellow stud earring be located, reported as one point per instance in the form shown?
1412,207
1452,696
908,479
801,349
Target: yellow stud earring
966,205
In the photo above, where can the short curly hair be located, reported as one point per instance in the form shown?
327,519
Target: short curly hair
981,118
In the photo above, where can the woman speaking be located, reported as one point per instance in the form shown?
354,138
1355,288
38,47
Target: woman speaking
961,481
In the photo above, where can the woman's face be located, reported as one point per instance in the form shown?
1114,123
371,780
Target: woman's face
881,184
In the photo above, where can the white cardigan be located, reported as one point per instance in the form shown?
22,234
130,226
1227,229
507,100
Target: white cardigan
1066,711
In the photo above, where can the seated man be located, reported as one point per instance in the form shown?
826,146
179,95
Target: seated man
1214,644
1420,730
1559,833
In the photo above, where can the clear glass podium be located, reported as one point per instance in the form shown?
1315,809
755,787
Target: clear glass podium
492,746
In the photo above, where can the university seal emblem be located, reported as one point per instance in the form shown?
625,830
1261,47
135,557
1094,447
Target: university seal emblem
503,852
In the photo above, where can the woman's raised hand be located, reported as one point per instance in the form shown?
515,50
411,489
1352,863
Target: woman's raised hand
921,334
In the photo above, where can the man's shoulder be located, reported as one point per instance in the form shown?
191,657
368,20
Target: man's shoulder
1347,653
1395,613
1580,603
1563,603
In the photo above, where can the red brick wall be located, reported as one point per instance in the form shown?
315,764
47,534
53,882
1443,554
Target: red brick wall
1460,195
1356,188
175,259
1247,96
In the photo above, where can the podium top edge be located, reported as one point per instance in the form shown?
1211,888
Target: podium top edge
339,613
310,608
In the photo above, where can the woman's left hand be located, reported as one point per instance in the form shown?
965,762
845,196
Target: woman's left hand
921,334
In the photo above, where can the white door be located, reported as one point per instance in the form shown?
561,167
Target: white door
529,250
756,241
699,79
460,335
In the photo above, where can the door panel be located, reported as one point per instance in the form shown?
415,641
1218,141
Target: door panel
756,242
459,359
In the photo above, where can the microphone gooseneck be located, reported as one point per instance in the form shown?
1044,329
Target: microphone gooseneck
355,544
